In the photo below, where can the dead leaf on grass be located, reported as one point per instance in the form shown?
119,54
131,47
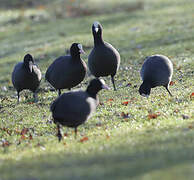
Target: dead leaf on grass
30,137
84,139
6,130
23,137
5,143
107,136
24,131
172,83
192,95
153,115
125,103
30,102
109,100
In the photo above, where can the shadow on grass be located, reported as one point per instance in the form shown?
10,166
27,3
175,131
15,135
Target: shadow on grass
124,162
166,42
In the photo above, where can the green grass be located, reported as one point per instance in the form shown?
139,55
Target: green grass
135,147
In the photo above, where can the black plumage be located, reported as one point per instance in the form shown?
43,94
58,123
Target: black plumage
26,75
104,59
67,71
157,70
74,108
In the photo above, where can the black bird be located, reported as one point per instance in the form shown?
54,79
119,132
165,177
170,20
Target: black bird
67,71
26,75
156,70
74,108
104,59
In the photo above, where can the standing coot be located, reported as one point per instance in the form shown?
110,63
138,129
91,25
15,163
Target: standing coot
157,70
67,71
26,75
74,108
104,59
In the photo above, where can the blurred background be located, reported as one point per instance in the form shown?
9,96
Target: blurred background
71,8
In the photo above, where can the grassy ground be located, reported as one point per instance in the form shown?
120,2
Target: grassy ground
120,141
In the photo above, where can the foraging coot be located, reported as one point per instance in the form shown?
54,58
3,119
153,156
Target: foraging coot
74,108
156,70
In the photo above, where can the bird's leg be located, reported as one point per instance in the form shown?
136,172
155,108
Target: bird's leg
75,130
35,97
59,92
113,82
18,94
168,90
59,135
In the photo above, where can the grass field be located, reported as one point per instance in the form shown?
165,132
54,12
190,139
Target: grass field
129,137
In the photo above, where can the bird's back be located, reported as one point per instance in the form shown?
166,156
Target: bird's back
157,69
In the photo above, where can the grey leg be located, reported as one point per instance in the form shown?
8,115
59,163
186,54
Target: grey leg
18,94
75,130
168,90
113,82
59,92
59,135
35,97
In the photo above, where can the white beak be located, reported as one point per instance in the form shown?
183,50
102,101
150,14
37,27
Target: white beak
82,51
96,29
145,95
104,86
30,65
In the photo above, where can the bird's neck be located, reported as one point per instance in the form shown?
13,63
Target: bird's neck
26,66
92,92
98,40
76,56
